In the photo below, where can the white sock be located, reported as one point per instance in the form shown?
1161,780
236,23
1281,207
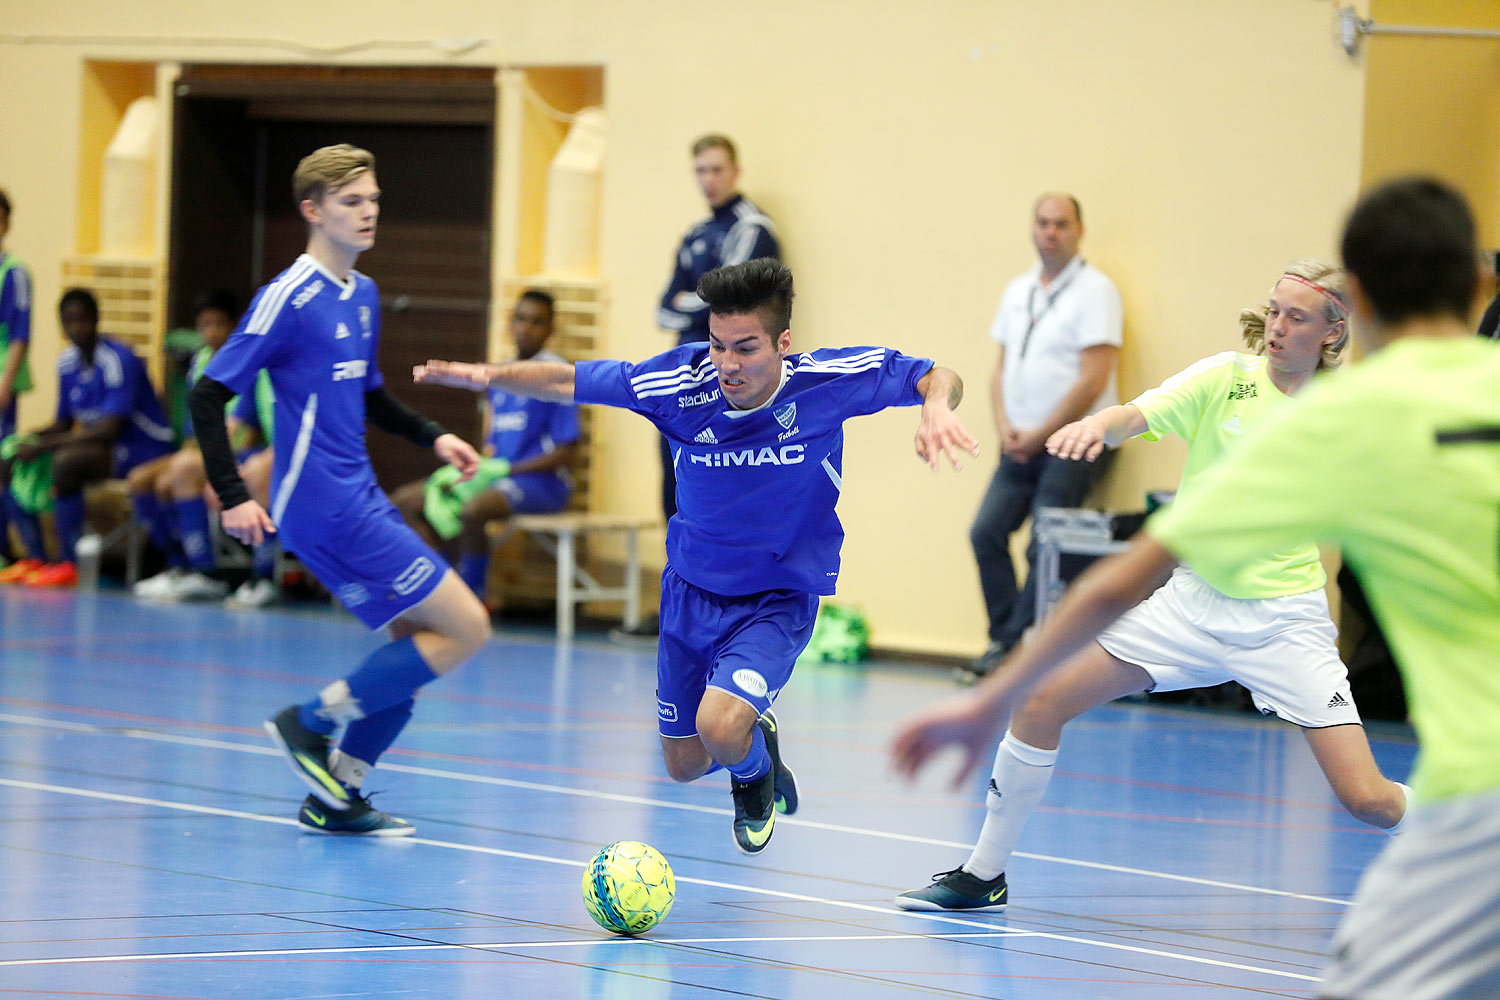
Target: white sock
339,704
1016,786
350,770
1401,823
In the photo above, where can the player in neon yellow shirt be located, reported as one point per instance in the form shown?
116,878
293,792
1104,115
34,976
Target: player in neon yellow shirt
1398,463
1270,630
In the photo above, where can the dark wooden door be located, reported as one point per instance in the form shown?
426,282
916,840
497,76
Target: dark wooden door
242,137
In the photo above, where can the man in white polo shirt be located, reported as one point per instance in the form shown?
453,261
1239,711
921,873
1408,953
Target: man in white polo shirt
1059,331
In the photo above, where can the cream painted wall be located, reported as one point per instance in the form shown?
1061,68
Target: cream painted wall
899,146
1433,103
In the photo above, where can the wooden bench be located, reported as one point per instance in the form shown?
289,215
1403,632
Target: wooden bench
560,535
577,335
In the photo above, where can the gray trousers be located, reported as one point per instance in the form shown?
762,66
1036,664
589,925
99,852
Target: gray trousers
1015,491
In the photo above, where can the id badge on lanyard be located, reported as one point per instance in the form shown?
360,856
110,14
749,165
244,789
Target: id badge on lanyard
1032,316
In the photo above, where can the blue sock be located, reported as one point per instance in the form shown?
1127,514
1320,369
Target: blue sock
27,526
176,558
67,514
263,559
756,763
389,676
192,531
368,738
153,520
472,569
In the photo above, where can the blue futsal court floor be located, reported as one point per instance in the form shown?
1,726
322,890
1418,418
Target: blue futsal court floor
148,846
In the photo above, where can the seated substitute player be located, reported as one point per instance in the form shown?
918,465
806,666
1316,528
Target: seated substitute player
316,329
108,422
1398,464
1271,632
254,413
167,493
15,344
757,437
529,447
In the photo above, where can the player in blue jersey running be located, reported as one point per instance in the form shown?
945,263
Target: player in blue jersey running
316,329
757,436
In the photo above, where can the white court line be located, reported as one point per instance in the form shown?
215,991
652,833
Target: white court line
385,949
732,886
481,779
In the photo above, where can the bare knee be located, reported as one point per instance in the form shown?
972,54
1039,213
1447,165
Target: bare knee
1039,722
471,627
682,768
141,479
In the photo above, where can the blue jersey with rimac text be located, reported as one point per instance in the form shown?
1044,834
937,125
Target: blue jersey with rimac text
316,336
756,488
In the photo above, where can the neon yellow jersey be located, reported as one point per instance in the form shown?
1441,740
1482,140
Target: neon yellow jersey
1398,464
1213,405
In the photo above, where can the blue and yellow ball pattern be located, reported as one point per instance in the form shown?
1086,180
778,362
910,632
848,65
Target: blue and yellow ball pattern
628,887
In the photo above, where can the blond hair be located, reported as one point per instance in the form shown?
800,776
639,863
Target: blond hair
325,170
1328,280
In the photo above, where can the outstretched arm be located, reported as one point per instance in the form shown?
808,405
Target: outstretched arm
940,432
1088,437
974,721
549,380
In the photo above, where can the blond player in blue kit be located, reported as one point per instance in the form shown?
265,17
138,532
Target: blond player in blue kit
1398,464
756,434
1271,632
316,330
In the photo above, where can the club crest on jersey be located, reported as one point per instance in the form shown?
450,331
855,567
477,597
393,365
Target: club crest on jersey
364,320
307,294
786,416
791,454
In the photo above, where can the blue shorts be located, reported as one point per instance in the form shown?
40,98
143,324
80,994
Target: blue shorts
533,492
368,558
127,456
744,646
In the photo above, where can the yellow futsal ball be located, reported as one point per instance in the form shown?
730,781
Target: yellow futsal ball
628,887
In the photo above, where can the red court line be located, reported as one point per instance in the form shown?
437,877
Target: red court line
111,638
201,667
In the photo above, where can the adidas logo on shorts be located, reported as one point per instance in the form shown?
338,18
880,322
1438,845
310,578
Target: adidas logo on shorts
1338,701
706,436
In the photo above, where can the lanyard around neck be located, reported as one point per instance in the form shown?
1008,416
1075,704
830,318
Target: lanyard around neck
1032,316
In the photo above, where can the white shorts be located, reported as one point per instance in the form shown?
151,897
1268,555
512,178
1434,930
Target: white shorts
1426,919
1188,635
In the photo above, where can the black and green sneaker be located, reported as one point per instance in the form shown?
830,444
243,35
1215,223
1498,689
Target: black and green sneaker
957,890
307,752
359,820
786,781
754,811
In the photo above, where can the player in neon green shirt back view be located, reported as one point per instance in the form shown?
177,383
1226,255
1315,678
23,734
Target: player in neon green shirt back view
1398,463
1270,630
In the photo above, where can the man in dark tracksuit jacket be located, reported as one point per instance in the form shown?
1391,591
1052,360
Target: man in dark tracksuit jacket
735,232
